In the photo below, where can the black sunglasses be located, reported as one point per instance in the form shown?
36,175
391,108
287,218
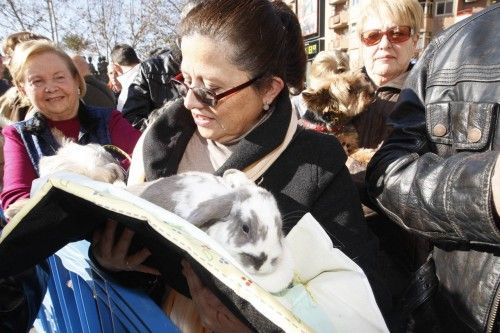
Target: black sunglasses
396,35
204,95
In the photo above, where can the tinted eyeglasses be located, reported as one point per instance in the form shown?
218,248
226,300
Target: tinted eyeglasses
204,95
396,35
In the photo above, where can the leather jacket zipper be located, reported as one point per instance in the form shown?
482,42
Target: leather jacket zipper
493,312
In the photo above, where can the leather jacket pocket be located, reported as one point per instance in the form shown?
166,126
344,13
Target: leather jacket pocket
462,125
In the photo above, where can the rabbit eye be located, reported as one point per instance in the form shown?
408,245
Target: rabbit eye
245,228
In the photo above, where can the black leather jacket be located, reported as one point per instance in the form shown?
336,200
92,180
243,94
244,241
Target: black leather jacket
151,87
433,174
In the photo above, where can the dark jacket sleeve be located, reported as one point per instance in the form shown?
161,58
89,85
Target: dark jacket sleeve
151,88
425,188
139,103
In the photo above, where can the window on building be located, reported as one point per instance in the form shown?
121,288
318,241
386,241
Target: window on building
355,2
427,7
443,7
352,28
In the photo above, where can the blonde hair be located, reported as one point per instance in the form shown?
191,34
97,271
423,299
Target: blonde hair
26,50
11,41
326,64
402,12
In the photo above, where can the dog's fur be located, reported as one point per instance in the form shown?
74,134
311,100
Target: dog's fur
334,102
91,160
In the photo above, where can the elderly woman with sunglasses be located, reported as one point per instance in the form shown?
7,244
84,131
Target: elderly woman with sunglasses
388,31
236,113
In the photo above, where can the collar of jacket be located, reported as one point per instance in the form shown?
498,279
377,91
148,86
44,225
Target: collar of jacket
396,83
166,140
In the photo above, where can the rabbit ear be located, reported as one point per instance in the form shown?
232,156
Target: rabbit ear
211,211
236,178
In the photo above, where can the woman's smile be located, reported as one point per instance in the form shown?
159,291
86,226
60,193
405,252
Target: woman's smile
54,99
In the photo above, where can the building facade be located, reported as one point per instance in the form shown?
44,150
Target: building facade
331,24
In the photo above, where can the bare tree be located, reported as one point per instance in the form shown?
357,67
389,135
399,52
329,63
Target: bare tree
144,24
53,21
16,15
152,25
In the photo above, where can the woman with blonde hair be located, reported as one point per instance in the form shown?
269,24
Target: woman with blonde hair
388,31
47,78
355,106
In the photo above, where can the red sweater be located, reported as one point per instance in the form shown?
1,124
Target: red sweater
18,170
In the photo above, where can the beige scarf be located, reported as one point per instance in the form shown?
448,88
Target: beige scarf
254,171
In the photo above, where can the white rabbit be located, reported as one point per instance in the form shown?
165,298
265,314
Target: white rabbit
90,160
241,216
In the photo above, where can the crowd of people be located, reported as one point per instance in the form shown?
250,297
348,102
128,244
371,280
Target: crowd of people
398,161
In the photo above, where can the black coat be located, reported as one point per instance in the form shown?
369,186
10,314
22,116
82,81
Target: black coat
309,176
433,175
151,87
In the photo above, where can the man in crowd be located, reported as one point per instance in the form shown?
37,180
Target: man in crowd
151,87
126,64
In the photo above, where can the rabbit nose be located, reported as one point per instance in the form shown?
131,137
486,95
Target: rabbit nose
253,261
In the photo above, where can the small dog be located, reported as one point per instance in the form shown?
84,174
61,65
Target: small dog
333,103
91,160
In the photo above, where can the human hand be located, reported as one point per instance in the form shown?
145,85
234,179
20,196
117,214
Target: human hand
495,185
214,315
114,256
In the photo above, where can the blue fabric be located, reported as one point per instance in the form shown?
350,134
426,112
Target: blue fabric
3,221
21,297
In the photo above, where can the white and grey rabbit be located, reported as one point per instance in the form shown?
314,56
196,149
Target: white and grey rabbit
241,216
90,160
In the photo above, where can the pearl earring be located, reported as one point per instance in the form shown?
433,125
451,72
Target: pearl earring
266,106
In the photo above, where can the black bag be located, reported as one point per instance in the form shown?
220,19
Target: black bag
21,297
